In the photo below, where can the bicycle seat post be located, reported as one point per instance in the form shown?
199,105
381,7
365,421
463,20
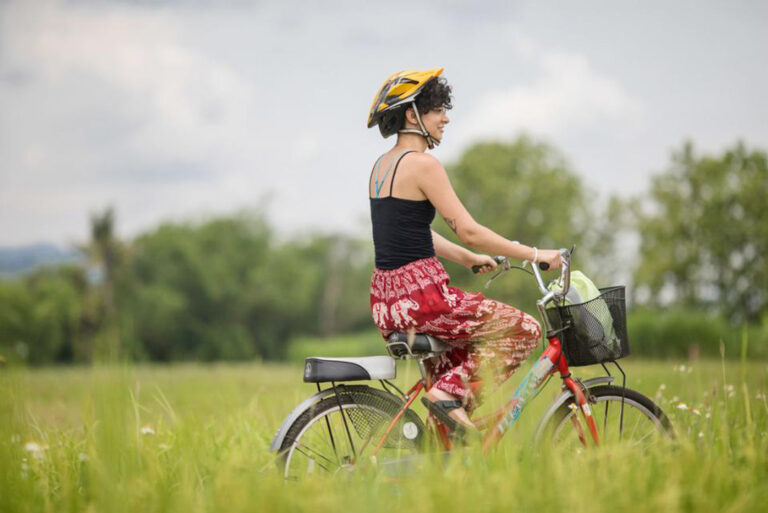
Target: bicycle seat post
423,369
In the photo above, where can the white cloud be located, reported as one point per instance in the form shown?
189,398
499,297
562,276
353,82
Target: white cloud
568,95
174,109
189,105
117,109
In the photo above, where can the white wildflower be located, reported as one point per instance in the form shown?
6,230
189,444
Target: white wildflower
701,434
147,430
760,396
82,457
32,447
707,415
682,406
35,449
163,447
696,412
663,386
675,399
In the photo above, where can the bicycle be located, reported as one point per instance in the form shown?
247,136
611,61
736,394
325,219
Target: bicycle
321,433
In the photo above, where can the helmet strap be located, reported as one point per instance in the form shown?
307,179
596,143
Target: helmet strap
431,141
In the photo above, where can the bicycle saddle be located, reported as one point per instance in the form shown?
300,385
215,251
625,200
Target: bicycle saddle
420,345
318,369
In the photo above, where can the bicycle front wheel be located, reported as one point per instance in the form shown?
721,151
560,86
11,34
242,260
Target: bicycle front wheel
622,416
341,431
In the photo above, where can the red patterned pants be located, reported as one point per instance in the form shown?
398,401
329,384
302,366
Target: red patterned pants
479,330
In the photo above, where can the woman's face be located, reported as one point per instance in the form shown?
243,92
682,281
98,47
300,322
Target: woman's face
434,121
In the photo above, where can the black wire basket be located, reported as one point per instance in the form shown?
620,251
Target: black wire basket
595,331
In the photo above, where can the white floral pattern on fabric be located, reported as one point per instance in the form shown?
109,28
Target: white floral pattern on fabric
482,332
399,312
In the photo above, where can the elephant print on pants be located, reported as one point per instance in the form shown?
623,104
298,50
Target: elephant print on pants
399,311
481,332
380,313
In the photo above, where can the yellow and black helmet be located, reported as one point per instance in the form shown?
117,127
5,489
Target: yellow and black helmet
400,88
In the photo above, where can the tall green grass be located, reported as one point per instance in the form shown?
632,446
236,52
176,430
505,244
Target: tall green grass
194,438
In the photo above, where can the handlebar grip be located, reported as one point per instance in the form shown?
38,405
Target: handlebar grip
499,259
544,266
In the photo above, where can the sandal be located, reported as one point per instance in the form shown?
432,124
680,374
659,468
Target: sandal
441,409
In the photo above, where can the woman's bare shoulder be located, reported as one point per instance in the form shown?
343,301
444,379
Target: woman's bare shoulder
424,161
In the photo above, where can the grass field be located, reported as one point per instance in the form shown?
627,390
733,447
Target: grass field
192,438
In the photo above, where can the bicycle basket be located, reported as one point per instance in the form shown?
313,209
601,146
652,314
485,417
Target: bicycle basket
596,331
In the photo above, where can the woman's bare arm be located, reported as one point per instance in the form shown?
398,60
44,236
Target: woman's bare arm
434,183
462,256
451,251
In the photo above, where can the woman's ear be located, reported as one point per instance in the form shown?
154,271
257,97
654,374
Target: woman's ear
410,116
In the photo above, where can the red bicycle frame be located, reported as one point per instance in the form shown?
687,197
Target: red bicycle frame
551,360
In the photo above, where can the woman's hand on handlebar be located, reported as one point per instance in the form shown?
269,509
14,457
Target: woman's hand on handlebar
551,257
481,264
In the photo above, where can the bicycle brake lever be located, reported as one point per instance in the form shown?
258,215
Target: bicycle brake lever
504,267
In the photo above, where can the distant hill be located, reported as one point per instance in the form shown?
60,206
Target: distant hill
19,260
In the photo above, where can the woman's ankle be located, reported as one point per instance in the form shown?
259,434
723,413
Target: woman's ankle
460,415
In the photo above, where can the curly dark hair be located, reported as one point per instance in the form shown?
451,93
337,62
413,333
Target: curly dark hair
436,93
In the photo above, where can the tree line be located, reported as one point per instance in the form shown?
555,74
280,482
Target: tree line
231,288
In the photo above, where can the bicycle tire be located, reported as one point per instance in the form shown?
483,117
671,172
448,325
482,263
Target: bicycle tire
639,413
319,439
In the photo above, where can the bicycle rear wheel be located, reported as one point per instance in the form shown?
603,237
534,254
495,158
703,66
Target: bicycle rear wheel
343,430
622,416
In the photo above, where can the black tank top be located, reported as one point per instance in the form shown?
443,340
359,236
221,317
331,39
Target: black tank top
401,232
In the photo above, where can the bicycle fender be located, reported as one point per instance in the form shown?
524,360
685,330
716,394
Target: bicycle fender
563,398
307,403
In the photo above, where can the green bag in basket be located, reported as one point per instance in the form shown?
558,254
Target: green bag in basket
583,290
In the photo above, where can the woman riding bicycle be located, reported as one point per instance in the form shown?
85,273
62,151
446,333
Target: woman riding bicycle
409,287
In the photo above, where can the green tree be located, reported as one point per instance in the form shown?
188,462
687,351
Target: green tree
43,317
228,289
104,250
704,233
526,191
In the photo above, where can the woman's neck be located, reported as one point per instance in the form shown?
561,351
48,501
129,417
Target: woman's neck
411,142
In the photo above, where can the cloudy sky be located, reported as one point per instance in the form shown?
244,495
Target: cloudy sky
176,110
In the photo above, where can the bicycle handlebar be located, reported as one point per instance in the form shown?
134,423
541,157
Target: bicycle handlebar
500,260
565,273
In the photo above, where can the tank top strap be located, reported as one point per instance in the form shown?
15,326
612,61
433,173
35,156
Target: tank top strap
376,168
394,172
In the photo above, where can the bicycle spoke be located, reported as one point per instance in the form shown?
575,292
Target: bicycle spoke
331,442
635,423
298,448
304,446
644,437
634,428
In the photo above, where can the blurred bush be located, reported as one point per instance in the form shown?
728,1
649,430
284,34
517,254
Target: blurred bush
687,333
225,289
